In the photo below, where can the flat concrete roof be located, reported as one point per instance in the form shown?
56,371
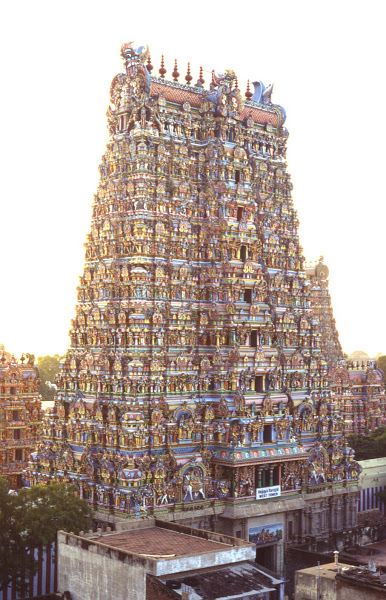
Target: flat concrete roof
159,542
373,462
328,571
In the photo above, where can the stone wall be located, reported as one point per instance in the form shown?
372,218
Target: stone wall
298,558
347,591
92,573
309,587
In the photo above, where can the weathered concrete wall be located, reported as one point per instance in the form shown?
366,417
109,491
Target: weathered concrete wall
203,561
346,591
296,559
92,575
308,587
90,569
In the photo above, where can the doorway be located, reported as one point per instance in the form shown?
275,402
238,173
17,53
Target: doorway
266,557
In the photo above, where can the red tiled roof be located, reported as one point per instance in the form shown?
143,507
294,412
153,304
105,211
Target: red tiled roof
175,94
260,116
156,541
180,95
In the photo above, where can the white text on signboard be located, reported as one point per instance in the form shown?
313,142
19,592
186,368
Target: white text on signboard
268,492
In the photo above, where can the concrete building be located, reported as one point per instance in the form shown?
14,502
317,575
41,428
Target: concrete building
155,560
336,581
372,480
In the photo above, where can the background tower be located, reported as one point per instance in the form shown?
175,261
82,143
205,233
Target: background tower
20,415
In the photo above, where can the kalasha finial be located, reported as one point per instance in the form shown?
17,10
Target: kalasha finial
248,93
175,73
149,66
188,76
162,70
201,80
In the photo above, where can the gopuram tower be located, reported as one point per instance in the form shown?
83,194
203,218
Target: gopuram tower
195,379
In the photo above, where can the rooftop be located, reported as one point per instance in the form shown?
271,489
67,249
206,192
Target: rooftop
328,571
375,552
242,580
159,547
159,542
364,577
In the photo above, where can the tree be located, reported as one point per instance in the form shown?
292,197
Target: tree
48,368
12,546
31,518
368,446
381,363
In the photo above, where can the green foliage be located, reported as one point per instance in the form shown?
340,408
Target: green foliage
33,517
381,363
368,446
12,546
48,367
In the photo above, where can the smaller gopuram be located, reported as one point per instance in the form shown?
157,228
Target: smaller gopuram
361,392
321,304
20,414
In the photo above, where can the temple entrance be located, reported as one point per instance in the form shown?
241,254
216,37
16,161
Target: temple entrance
266,557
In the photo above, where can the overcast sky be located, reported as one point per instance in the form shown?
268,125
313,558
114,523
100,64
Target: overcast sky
326,60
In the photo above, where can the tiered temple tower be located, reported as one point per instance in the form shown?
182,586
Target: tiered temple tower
360,387
20,415
196,377
322,309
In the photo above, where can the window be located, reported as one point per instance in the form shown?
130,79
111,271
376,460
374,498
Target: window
18,454
240,212
267,434
16,434
12,391
248,296
243,253
259,383
265,478
253,339
15,415
237,176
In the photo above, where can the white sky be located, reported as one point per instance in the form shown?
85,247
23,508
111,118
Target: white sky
326,60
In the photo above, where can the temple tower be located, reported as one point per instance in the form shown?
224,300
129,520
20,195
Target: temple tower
196,372
20,415
323,311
